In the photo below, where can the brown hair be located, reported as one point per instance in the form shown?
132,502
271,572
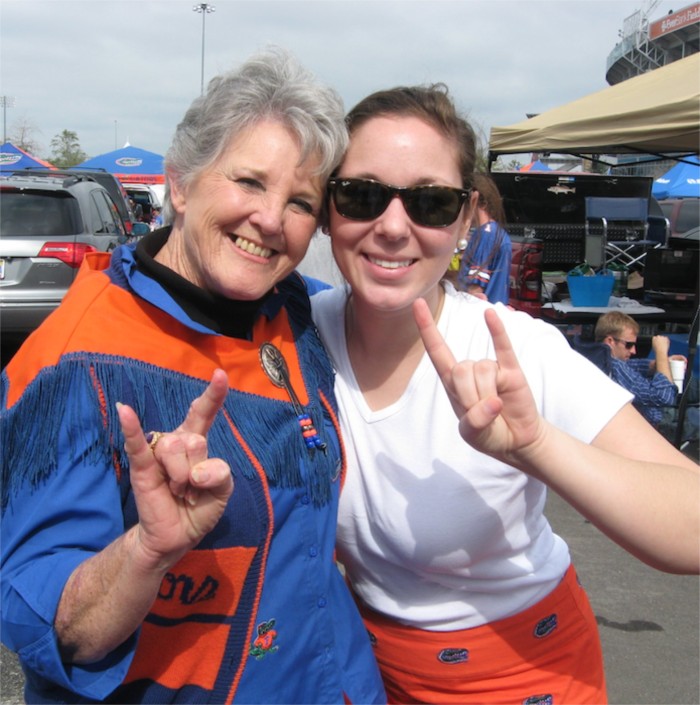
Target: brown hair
614,324
489,197
432,104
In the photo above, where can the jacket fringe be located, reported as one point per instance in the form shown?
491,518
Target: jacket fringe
80,393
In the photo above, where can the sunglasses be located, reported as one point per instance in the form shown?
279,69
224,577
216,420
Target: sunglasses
364,199
628,344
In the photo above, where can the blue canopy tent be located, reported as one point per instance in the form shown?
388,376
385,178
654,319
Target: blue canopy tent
13,158
681,181
130,165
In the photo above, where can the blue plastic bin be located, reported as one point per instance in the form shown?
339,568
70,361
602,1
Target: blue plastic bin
591,291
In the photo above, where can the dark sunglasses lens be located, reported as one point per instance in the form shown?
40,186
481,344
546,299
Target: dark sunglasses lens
361,200
434,206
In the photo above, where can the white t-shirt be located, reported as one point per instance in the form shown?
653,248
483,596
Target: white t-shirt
431,532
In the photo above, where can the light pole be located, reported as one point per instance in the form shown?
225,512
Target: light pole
115,134
7,102
204,8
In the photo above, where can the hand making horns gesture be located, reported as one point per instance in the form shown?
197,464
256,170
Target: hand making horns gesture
491,398
180,492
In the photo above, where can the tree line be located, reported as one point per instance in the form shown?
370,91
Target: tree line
65,146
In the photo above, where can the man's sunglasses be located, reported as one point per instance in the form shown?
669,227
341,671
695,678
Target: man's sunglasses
628,344
364,199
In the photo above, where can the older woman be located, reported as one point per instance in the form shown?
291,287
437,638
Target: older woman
129,578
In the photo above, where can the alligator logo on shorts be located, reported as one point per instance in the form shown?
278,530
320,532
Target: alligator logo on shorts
539,700
453,656
262,646
546,626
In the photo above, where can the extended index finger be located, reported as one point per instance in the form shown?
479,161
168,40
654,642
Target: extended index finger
435,345
203,410
505,355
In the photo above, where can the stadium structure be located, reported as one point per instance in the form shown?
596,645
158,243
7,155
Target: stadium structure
647,45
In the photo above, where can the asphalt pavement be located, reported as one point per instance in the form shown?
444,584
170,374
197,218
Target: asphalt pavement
649,621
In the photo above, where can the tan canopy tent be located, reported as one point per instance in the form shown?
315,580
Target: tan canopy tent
656,113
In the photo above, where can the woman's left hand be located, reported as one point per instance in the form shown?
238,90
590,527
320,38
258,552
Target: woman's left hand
492,400
180,492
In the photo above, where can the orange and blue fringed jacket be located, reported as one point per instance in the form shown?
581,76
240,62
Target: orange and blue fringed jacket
258,612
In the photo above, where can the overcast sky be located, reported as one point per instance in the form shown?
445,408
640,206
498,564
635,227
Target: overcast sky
114,71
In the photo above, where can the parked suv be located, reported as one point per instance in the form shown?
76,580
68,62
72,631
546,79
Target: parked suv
109,181
48,222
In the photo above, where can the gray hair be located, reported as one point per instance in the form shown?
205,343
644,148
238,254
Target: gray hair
270,85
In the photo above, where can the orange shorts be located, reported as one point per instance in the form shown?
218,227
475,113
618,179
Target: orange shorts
549,654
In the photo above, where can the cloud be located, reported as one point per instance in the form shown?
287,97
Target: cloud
118,70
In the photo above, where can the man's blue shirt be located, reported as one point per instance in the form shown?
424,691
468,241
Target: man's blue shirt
652,390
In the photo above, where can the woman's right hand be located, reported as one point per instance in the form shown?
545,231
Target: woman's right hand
180,492
491,398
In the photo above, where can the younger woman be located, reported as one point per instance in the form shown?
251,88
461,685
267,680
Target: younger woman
469,595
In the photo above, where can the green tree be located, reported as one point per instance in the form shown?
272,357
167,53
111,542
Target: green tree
65,150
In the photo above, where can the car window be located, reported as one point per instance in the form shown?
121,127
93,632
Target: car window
138,196
688,215
106,220
118,194
39,214
143,197
116,217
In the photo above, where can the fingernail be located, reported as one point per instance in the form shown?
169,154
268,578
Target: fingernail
199,475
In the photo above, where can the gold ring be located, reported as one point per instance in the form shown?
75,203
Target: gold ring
152,438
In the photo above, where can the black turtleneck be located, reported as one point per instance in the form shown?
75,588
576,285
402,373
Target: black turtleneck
226,316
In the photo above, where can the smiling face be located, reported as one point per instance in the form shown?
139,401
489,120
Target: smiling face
390,261
246,222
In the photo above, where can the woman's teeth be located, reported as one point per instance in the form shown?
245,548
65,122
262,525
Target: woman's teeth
252,248
386,264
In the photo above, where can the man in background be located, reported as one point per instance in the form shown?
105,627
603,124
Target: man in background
650,380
